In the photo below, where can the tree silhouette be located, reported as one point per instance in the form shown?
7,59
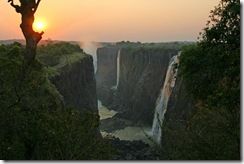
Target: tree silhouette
27,9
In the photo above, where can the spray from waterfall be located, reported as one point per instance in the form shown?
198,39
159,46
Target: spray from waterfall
91,47
162,101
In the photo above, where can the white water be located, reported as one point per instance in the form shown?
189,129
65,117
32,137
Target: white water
118,69
118,72
162,101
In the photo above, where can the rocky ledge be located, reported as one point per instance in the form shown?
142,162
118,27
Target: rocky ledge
135,150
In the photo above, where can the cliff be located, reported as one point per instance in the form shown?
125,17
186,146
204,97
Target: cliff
175,123
106,73
142,74
76,83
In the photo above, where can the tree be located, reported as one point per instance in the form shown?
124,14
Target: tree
27,9
212,67
211,70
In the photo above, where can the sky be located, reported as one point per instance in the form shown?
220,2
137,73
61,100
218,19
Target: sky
113,20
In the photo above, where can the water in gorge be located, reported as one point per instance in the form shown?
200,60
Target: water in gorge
104,112
134,133
129,133
162,101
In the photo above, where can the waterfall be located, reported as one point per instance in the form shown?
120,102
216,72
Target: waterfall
118,71
162,101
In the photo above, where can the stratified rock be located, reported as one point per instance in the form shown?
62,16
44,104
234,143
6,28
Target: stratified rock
106,73
76,83
175,124
142,75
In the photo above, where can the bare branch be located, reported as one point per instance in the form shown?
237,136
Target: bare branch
36,5
17,7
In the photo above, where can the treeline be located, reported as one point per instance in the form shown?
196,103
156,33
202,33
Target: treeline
52,53
211,72
161,45
35,125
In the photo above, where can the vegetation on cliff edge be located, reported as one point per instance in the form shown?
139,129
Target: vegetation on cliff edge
35,124
211,71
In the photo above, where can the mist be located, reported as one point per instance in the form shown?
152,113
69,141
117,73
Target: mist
90,47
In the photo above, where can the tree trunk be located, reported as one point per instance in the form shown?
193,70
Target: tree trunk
32,38
27,10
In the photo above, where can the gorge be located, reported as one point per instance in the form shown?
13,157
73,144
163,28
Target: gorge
129,80
130,90
135,104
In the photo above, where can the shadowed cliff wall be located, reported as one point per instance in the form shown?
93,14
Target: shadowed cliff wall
142,74
76,83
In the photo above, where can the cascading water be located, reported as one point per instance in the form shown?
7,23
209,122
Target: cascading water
162,101
118,71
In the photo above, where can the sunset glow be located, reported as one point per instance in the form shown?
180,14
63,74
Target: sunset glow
110,20
39,26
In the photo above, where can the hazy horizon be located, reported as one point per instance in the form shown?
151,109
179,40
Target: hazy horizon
114,21
94,41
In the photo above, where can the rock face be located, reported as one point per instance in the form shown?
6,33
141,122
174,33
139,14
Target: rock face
142,74
106,73
135,150
175,119
77,84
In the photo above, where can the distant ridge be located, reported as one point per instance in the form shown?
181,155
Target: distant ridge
42,42
102,44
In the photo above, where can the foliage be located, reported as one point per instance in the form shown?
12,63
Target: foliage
212,67
211,70
56,55
35,124
52,53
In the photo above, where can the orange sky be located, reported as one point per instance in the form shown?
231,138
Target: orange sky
114,20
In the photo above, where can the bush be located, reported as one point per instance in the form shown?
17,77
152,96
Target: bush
211,71
35,124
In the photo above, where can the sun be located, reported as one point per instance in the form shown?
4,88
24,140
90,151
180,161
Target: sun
39,25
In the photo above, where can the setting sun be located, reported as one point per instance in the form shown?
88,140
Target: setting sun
39,25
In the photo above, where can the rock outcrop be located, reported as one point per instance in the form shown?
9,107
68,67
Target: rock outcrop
106,73
175,124
135,150
76,83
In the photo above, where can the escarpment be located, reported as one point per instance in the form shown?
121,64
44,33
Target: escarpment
142,73
76,83
106,73
178,112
